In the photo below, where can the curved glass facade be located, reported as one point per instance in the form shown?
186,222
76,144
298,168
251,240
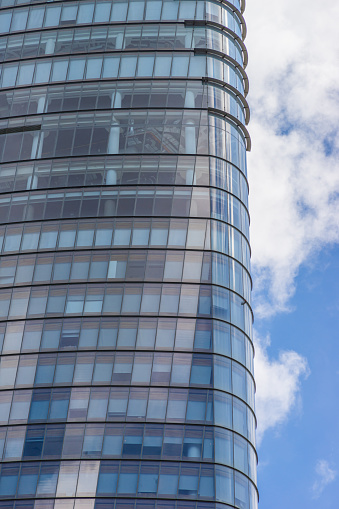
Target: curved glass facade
126,358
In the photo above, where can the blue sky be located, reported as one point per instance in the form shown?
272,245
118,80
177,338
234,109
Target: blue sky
292,452
294,199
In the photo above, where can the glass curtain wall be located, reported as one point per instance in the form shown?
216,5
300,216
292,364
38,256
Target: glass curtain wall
126,368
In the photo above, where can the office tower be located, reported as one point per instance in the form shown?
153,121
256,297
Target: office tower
126,376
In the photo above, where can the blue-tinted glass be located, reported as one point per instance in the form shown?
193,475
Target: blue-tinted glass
28,481
107,481
127,483
168,482
59,405
8,480
148,482
48,479
126,183
39,406
34,442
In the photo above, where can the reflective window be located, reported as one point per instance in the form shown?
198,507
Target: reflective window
159,65
85,12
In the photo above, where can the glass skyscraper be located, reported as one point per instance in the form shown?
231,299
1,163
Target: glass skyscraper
126,371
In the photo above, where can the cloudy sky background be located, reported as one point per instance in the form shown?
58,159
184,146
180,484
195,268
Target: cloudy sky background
294,183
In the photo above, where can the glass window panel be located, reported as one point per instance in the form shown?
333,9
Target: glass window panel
145,65
45,370
48,237
69,14
5,21
8,480
28,480
108,335
103,368
14,443
59,71
98,404
127,66
142,368
88,477
128,479
93,69
162,65
157,404
181,369
165,334
34,442
13,338
108,478
26,74
169,300
53,441
131,300
223,447
223,410
48,479
111,65
19,304
173,266
112,440
180,65
9,75
67,479
103,236
127,334
37,303
224,485
176,409
188,482
119,11
4,303
30,239
117,405
12,240
19,20
42,72
78,404
5,406
73,440
26,371
146,334
76,69
59,404
137,404
188,300
84,368
52,16
148,479
8,368
102,12
206,484
43,269
64,370
168,480
169,11
85,13
40,405
153,10
185,335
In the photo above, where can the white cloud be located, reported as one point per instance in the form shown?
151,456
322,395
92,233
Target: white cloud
294,164
325,476
278,385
